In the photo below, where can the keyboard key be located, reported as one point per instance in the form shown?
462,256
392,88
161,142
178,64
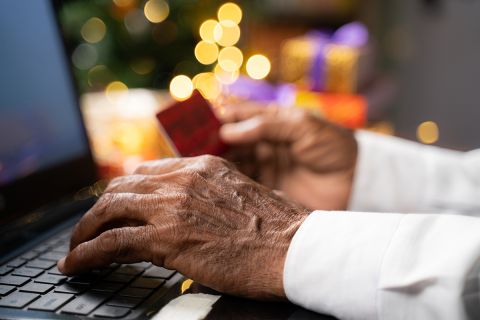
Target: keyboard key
4,290
13,280
62,248
16,263
27,272
51,301
55,270
100,272
147,283
143,265
122,278
51,256
135,292
111,312
4,270
133,270
41,264
111,287
29,255
18,299
126,302
50,279
41,248
36,287
71,288
86,279
158,272
85,304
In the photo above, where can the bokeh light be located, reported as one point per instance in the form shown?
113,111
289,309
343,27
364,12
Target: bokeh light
428,132
230,11
208,85
84,56
206,52
135,22
230,59
207,30
115,91
258,67
99,75
94,30
225,77
181,87
226,33
156,11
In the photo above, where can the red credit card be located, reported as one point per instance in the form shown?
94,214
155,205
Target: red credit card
193,127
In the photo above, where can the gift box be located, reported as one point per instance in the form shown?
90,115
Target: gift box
338,62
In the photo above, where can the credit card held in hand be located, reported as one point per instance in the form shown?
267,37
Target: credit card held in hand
192,127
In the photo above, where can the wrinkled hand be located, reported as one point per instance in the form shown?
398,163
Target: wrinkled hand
199,216
311,160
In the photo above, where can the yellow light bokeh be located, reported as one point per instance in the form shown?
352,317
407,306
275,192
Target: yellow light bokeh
156,11
208,85
225,77
226,33
115,91
258,67
230,59
94,30
181,88
206,52
230,11
428,132
207,30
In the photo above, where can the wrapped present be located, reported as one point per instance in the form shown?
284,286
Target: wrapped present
342,62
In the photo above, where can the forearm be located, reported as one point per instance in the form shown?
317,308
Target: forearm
383,266
395,175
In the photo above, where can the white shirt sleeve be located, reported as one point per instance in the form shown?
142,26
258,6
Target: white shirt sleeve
395,266
386,266
396,175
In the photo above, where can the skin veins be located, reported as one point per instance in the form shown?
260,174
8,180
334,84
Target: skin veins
199,216
221,226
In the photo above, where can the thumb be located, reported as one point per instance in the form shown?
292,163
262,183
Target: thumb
279,127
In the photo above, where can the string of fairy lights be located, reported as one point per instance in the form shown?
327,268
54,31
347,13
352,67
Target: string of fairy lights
217,47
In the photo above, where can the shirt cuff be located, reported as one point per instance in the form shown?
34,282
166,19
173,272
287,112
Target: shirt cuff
334,261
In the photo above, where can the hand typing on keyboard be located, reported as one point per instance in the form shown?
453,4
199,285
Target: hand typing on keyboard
199,216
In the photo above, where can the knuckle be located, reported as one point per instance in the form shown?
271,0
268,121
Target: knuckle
110,241
102,205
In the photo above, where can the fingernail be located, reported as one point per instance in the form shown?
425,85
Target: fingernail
61,265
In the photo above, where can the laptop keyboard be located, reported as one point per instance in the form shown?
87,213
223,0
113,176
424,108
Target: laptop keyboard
33,282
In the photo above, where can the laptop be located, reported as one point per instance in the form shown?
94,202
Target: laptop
44,161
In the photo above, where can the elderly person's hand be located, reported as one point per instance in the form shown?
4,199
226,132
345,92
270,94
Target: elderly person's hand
199,216
311,160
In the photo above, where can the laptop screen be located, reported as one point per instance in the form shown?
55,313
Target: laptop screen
39,123
44,150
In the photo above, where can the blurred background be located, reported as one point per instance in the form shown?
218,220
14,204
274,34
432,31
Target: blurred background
406,68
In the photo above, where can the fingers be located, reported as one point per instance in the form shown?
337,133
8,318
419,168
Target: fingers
122,245
114,209
140,184
283,126
243,111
